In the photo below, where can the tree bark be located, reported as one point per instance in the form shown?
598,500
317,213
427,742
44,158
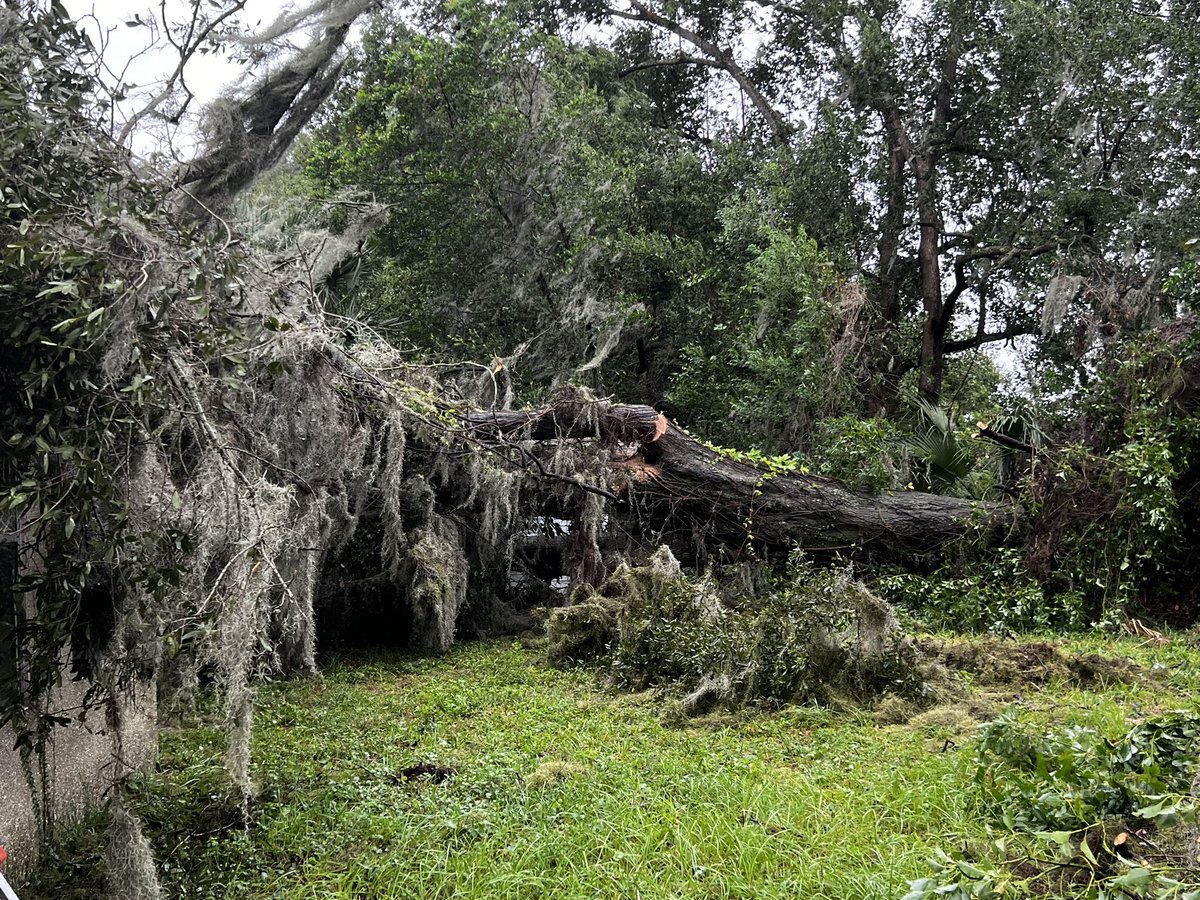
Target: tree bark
681,487
884,392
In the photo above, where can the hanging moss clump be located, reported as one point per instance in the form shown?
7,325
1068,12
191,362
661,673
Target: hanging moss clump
128,857
438,586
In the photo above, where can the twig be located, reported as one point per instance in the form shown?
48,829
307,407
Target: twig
590,488
1012,443
228,229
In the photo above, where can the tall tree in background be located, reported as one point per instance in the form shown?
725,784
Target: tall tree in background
518,174
1010,159
540,207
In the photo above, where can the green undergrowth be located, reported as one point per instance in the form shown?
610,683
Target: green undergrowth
486,773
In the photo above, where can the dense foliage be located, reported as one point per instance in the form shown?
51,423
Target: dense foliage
1079,794
977,172
1115,507
86,373
539,214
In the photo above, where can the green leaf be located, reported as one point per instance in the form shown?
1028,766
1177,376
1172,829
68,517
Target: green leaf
1136,878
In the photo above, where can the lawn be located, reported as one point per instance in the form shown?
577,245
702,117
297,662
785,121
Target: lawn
537,782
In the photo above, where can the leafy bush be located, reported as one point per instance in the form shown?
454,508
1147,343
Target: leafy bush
994,595
1059,788
1034,781
861,453
1114,511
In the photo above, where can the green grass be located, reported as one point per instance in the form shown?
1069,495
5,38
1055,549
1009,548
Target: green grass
800,803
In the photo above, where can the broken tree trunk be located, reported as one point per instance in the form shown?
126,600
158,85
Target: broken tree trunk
682,488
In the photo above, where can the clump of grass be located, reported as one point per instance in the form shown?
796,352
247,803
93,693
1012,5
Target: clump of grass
553,771
957,718
893,710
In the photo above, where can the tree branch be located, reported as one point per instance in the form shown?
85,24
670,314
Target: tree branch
682,59
191,44
1009,332
1003,254
986,431
719,59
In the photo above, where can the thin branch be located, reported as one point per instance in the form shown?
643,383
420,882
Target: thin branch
683,59
553,476
228,228
1002,255
186,52
720,59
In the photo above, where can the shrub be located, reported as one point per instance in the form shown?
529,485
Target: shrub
1080,792
994,594
1032,780
862,453
1113,512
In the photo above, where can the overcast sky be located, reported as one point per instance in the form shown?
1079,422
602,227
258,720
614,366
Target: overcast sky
132,53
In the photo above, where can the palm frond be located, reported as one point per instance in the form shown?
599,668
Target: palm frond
944,460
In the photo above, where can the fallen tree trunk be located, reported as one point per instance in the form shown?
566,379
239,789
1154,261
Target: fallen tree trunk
682,487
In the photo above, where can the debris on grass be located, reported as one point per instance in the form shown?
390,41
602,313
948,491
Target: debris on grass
893,710
552,771
960,719
711,691
534,640
583,631
999,663
813,635
427,771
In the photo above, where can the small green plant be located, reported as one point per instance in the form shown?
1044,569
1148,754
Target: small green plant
1058,789
772,465
942,460
957,879
862,453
